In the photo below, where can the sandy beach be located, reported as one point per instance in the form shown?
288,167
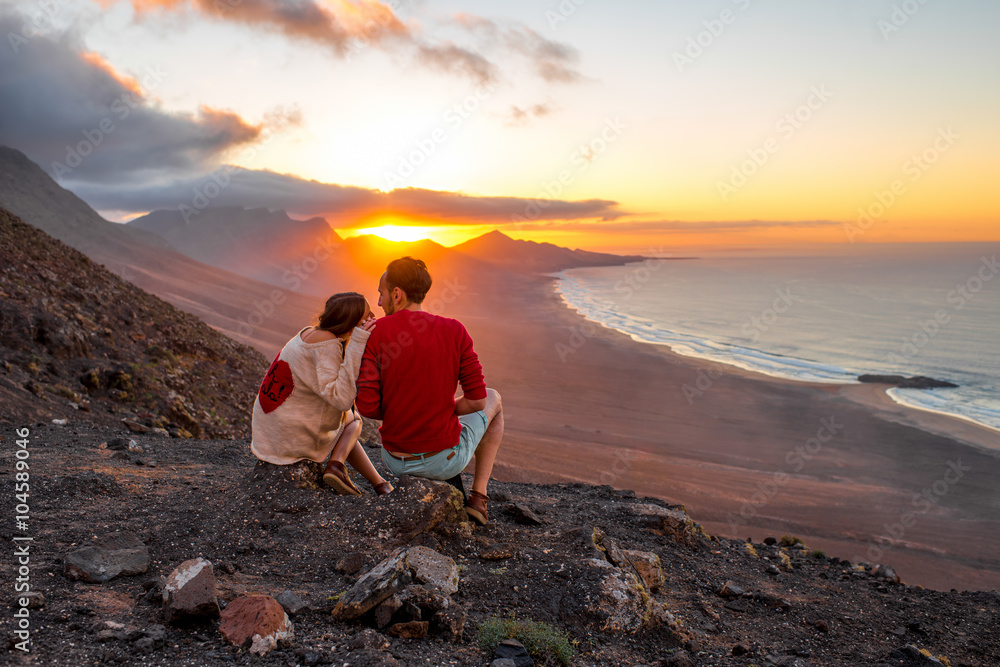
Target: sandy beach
842,467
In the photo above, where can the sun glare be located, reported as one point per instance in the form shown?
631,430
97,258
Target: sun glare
397,233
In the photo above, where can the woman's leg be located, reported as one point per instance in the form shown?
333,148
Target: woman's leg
359,461
349,449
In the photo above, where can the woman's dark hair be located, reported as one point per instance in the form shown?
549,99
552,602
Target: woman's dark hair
409,275
342,313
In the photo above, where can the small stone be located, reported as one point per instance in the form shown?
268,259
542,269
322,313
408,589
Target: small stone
106,558
886,572
739,650
189,593
899,632
450,623
257,619
737,605
122,444
135,426
498,552
514,650
350,563
770,541
523,515
821,625
291,603
730,590
368,638
309,657
31,600
409,630
503,662
431,567
679,659
385,610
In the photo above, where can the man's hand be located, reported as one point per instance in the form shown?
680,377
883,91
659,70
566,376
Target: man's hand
465,406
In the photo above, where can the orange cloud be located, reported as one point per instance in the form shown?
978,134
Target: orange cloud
98,61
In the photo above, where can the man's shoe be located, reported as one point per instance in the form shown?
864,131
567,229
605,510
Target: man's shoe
475,507
383,489
336,477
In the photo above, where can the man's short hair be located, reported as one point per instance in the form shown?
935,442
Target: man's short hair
409,275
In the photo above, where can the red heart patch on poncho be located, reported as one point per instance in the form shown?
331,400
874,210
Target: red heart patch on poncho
277,385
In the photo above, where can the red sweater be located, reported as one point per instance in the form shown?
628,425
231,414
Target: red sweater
411,366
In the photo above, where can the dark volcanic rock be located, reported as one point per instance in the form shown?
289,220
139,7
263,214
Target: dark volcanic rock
119,554
916,382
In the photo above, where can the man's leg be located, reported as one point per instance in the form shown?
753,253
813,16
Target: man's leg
486,452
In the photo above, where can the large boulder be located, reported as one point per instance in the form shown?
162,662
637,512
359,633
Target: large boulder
189,594
671,521
606,597
375,586
257,620
106,558
437,573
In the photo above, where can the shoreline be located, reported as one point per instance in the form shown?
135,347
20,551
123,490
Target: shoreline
921,418
587,403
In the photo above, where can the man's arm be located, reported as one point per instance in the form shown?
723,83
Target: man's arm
466,406
470,376
369,400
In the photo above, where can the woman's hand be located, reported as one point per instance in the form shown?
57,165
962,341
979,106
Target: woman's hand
368,324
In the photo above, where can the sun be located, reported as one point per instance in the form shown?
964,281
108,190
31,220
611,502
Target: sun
397,233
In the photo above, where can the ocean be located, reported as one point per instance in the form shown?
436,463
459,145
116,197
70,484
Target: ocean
918,309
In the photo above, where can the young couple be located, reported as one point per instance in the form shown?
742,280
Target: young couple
402,369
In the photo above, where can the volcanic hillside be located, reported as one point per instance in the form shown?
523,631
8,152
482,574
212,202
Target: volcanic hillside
76,337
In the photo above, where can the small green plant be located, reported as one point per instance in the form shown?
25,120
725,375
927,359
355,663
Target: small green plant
819,553
543,641
791,541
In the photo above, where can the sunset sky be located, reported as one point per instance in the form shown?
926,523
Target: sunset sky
622,125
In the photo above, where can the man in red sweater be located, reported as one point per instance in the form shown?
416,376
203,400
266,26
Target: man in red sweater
412,364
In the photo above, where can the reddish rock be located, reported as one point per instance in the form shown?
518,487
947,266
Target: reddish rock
409,630
189,594
256,619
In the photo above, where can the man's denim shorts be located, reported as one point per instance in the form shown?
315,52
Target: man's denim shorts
450,462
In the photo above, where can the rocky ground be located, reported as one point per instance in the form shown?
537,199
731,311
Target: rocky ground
582,559
77,339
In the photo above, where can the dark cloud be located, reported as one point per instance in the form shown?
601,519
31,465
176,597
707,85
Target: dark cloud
673,226
82,121
342,205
